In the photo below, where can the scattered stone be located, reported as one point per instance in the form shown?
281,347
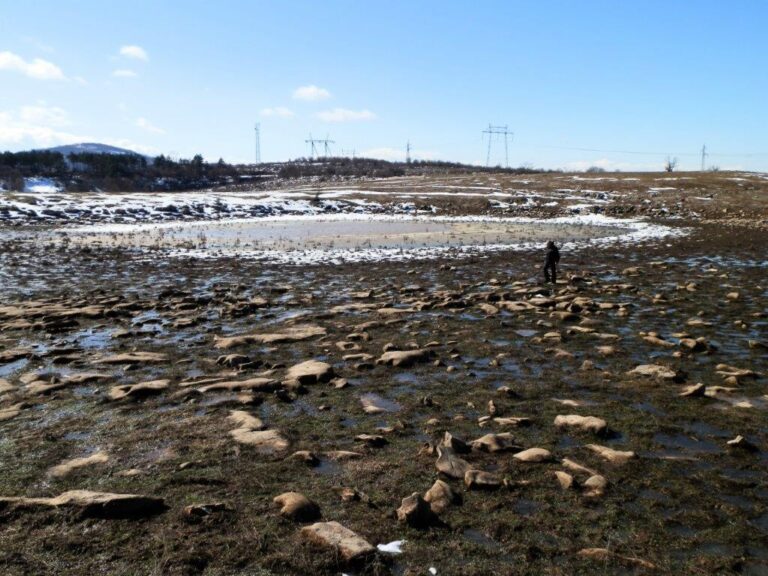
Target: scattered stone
482,480
415,511
450,464
513,421
309,372
657,371
138,391
6,386
243,419
576,467
588,423
297,507
252,384
93,504
342,455
232,360
440,496
495,443
134,358
333,535
374,440
265,441
202,510
290,334
617,457
743,444
65,468
594,486
694,390
564,479
12,411
309,458
533,455
403,358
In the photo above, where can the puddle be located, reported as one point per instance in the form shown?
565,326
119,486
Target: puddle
687,444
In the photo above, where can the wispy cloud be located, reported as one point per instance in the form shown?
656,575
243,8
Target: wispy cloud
124,73
39,124
38,68
311,93
135,52
345,115
278,112
145,124
51,116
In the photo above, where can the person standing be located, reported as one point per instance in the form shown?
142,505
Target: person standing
551,262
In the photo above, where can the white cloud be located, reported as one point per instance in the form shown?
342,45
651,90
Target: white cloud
50,116
397,154
135,52
145,124
311,93
278,111
38,69
344,115
124,73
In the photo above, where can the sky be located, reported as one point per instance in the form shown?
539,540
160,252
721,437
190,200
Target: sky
613,84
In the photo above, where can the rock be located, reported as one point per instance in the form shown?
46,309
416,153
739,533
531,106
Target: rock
65,468
587,423
253,384
533,455
693,344
296,506
289,334
440,496
309,458
450,464
374,440
202,510
14,354
93,504
479,479
403,358
415,511
495,443
342,455
603,555
657,371
694,390
743,444
614,456
606,350
243,419
12,411
309,372
576,467
138,391
594,486
232,360
265,441
6,386
564,479
513,421
333,535
134,358
454,443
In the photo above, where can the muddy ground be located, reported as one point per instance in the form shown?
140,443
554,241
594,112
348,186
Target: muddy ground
495,352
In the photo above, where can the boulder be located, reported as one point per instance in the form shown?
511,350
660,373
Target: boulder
614,456
478,479
495,443
415,511
69,466
450,464
403,358
587,423
594,486
534,455
440,496
138,391
93,504
657,371
243,419
296,506
564,479
309,372
349,545
265,441
694,390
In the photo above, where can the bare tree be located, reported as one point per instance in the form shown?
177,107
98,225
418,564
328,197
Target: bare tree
670,164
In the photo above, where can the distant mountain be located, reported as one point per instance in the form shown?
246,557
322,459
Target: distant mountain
92,148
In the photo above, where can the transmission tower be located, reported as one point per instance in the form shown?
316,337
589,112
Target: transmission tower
703,157
314,142
408,152
498,131
257,149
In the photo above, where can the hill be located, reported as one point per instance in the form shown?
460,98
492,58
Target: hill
92,148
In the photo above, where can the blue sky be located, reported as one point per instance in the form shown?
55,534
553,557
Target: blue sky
609,83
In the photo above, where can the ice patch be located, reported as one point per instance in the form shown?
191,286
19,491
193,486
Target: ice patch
394,547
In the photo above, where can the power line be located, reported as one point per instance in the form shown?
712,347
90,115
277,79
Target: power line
313,142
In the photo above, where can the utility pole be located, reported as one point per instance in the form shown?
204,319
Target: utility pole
257,155
498,131
314,142
408,152
703,157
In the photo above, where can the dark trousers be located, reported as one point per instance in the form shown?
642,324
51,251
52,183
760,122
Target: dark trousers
550,270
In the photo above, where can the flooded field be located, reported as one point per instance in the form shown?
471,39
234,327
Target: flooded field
162,412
